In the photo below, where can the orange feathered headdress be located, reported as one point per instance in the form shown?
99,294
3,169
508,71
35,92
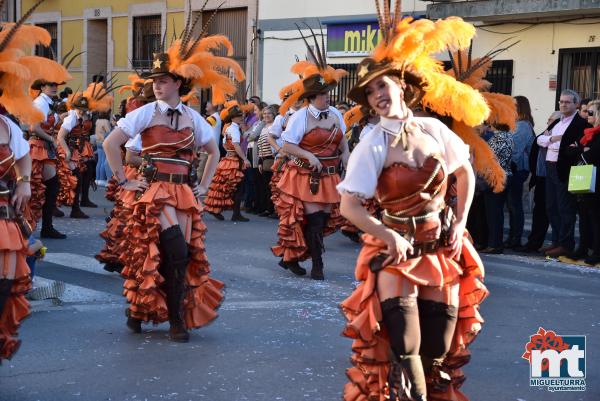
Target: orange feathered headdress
194,61
306,69
407,48
96,97
136,85
18,70
353,116
503,110
232,105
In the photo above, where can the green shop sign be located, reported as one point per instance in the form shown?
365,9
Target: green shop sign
356,39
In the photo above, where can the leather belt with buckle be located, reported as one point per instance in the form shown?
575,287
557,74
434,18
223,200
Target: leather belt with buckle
7,212
172,178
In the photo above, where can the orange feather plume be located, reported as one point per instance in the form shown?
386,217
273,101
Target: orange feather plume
353,116
410,49
18,71
136,84
204,69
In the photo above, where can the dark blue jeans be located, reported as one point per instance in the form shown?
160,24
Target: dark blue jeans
561,207
494,212
515,205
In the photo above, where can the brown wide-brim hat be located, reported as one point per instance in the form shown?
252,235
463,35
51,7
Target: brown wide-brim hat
147,93
38,83
315,85
369,69
160,66
233,112
81,102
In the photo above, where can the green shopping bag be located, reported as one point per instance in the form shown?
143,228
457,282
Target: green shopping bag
582,179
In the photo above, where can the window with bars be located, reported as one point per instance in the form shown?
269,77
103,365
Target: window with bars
579,69
340,93
52,50
146,39
500,75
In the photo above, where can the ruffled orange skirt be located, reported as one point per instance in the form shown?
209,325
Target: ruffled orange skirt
278,169
224,184
112,189
293,192
39,156
68,181
143,282
370,359
16,308
114,240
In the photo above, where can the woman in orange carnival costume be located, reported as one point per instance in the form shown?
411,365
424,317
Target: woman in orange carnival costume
281,158
45,184
17,72
113,235
416,310
308,204
166,271
226,190
76,150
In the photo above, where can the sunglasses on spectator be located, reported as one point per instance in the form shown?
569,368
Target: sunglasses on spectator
590,113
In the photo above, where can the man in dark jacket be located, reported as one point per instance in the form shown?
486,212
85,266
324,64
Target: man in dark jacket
561,140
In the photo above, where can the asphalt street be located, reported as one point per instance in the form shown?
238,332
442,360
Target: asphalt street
277,336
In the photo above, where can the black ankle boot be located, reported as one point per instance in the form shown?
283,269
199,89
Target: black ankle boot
175,259
293,266
313,234
5,287
133,324
412,368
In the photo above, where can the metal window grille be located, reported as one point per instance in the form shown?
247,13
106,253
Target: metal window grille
340,93
52,50
146,40
500,75
579,69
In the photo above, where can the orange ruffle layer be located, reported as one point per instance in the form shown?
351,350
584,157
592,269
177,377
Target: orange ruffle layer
38,189
223,186
291,245
276,177
143,281
16,308
369,373
68,182
115,244
111,189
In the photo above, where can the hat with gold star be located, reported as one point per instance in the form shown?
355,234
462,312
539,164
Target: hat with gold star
192,58
315,85
160,66
316,76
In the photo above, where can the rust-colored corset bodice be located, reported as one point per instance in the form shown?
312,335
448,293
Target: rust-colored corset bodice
7,161
403,192
48,125
82,129
323,143
161,141
228,145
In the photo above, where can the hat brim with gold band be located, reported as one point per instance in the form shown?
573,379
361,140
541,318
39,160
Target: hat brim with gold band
316,85
369,69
